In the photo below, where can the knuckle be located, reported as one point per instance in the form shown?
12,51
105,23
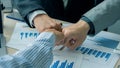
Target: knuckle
54,25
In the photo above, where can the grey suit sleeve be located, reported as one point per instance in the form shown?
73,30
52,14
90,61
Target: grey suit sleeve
104,15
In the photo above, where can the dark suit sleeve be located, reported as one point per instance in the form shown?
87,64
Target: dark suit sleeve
25,7
92,29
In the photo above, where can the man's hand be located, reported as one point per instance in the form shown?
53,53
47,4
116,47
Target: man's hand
75,34
59,35
43,22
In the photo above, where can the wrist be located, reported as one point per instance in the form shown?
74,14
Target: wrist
91,25
84,25
37,18
33,14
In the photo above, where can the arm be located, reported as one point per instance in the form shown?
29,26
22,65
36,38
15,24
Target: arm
100,17
31,12
104,15
38,55
26,7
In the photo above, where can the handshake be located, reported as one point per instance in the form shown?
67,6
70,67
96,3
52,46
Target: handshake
71,36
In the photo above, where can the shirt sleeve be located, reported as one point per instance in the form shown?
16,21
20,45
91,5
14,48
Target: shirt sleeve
37,55
31,16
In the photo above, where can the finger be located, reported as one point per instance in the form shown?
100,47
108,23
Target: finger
56,25
78,43
59,43
58,22
73,43
68,43
59,25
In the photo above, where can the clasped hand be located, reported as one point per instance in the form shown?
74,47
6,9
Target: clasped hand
71,36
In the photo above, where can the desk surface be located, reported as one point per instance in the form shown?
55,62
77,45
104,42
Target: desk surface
8,29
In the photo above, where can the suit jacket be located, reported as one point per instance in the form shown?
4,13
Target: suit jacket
104,15
55,8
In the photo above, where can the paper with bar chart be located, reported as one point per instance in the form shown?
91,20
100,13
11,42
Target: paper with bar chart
22,36
99,50
95,52
66,58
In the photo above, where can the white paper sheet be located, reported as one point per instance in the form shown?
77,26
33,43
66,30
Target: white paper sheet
22,36
66,58
95,51
97,56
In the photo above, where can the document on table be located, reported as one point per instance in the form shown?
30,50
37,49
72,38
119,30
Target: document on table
96,52
97,55
66,58
22,36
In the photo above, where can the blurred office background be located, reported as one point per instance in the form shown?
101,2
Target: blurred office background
7,4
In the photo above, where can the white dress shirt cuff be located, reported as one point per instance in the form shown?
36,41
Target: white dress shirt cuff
33,15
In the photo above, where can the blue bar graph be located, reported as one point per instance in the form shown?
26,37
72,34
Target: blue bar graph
98,54
28,35
31,34
21,35
65,64
104,42
55,65
107,56
95,53
103,54
85,51
90,51
70,65
82,49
